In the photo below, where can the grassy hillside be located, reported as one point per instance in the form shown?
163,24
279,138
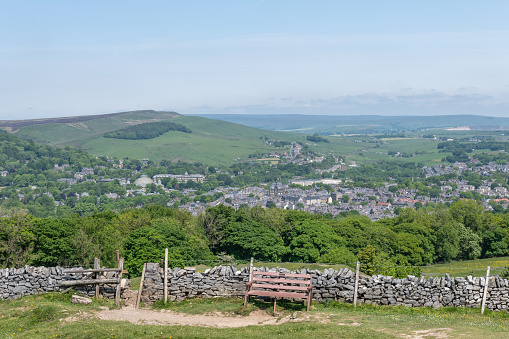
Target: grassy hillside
220,142
78,131
211,141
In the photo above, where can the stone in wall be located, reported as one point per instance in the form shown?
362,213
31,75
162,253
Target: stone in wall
29,280
331,284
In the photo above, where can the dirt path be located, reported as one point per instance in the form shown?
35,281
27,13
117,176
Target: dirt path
220,320
166,317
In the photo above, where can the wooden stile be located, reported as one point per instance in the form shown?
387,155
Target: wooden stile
94,270
89,282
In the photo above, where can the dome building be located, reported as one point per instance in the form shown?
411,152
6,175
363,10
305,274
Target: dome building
143,181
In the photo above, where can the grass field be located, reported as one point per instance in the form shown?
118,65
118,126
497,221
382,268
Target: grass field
220,142
212,141
476,267
53,316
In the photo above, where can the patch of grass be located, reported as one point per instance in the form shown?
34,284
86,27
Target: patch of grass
42,313
135,283
463,268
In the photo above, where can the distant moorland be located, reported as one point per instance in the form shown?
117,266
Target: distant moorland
215,141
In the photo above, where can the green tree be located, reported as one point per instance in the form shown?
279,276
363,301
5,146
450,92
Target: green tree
368,259
253,239
338,255
147,244
16,238
311,239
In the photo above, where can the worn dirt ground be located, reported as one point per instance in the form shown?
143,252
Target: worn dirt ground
220,320
167,317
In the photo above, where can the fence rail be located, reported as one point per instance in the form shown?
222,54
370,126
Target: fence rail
97,271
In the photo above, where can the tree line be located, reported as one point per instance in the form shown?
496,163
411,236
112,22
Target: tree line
389,246
148,130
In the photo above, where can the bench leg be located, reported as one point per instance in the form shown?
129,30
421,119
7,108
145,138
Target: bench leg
246,298
274,305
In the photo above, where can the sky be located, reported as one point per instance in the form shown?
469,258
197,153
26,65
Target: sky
68,58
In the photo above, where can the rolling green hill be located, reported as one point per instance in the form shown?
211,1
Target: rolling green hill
212,141
219,142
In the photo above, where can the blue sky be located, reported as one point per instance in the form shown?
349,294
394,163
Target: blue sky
64,58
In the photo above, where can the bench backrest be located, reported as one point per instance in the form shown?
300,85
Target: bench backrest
282,278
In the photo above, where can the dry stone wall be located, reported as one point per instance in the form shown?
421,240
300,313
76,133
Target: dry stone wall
330,284
29,280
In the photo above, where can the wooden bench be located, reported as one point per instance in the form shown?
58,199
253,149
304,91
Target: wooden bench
280,285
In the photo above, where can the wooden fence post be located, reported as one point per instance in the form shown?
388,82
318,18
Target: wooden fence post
165,275
117,253
251,266
356,288
97,265
485,293
117,294
141,286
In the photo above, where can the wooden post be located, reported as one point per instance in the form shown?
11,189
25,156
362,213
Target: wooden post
117,295
141,286
118,256
251,266
485,293
165,275
356,285
97,265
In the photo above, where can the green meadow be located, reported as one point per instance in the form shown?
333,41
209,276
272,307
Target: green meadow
220,142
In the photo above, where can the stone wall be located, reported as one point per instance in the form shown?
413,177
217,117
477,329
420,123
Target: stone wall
28,280
330,284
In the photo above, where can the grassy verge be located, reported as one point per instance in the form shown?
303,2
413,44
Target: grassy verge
53,316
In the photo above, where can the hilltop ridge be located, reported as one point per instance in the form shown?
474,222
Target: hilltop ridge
14,124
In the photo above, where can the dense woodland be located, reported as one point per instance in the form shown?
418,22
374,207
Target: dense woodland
415,237
316,138
149,130
461,150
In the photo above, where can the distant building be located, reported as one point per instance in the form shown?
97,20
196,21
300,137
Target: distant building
143,181
278,189
182,177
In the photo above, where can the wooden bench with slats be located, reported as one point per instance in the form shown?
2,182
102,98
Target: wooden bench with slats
280,285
